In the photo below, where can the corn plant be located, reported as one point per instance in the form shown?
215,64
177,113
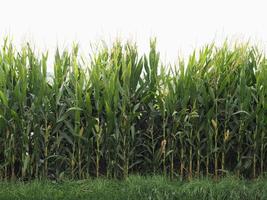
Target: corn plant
119,112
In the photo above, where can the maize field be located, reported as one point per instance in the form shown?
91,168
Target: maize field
120,113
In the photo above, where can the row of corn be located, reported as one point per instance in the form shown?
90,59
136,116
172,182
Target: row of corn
119,113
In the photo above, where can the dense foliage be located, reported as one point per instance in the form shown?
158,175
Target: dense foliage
119,113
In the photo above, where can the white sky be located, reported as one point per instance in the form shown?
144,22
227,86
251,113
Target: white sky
179,25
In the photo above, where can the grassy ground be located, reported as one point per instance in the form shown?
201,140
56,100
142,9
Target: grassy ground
136,188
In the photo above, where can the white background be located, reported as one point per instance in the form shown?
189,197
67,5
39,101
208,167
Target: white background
179,25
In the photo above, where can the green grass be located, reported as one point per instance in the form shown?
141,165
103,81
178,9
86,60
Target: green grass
136,188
